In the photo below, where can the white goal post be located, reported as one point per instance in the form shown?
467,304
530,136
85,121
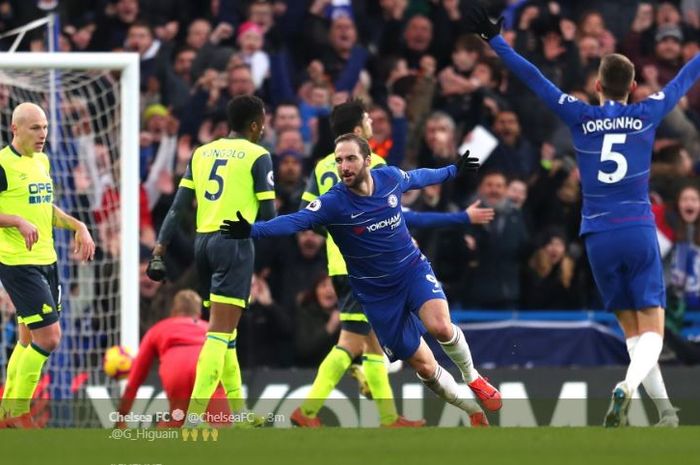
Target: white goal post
127,64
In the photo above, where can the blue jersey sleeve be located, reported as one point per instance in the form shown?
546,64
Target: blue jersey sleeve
660,103
417,179
567,107
435,220
319,212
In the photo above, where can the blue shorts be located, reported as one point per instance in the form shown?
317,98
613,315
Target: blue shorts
394,317
626,265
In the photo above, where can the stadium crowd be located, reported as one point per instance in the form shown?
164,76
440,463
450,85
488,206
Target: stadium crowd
427,87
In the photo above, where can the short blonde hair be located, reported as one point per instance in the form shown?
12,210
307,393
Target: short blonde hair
187,302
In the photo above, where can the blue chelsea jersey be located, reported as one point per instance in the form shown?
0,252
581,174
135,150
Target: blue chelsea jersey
613,142
370,231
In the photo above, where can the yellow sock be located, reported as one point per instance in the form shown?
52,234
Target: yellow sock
8,392
28,373
209,368
231,377
329,374
378,379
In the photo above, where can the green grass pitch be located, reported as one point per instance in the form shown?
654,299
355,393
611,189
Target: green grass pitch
335,446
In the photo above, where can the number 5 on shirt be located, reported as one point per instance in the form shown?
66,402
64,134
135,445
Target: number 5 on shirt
607,154
214,176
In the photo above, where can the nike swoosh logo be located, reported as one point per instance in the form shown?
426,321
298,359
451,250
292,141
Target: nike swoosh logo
355,215
436,291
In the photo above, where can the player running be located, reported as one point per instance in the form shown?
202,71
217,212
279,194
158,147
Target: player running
613,144
356,336
229,173
389,276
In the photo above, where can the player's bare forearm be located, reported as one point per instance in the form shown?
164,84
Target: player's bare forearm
9,221
63,220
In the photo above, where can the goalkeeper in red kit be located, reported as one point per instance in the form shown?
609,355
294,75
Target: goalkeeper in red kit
176,341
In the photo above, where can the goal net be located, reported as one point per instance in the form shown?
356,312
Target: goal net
92,145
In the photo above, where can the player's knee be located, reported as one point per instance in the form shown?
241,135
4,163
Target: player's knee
442,329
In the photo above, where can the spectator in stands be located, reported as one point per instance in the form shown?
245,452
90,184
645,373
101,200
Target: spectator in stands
498,248
289,183
389,133
251,43
112,25
514,155
548,282
317,322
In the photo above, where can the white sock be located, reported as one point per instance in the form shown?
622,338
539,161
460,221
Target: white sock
458,351
644,357
444,385
653,383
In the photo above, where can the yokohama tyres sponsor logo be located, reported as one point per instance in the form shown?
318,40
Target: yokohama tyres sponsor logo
392,222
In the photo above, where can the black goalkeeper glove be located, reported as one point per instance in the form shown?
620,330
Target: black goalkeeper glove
156,268
466,165
236,229
477,20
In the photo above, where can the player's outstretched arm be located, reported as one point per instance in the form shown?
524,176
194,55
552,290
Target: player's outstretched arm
84,245
317,213
419,178
474,214
477,20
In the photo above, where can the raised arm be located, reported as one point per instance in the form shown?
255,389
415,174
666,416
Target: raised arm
477,21
663,102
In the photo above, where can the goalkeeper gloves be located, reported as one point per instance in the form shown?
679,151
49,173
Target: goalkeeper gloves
156,268
477,20
236,229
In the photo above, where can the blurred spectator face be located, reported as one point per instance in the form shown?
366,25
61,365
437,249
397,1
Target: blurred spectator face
517,192
592,25
289,139
343,34
139,39
689,205
380,124
690,49
555,249
287,117
589,48
250,40
288,170
667,13
484,74
492,189
320,96
147,288
240,81
418,33
668,49
198,33
309,243
507,127
641,92
183,63
157,124
261,14
325,294
127,10
439,131
463,59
